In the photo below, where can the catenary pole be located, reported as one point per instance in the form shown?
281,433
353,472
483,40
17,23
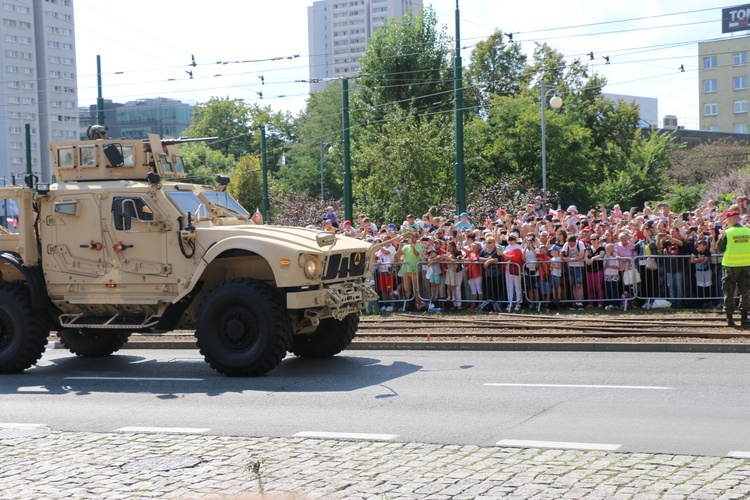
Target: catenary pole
347,165
99,99
460,191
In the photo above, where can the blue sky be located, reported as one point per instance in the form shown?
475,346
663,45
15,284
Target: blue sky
146,47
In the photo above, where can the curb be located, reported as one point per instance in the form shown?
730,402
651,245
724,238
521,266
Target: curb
707,347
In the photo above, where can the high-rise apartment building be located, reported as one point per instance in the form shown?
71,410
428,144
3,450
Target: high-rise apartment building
338,30
38,82
723,75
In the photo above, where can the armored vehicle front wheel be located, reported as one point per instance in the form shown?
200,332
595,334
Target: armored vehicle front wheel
22,334
243,328
93,344
331,337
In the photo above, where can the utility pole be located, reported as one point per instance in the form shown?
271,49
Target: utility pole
347,165
458,85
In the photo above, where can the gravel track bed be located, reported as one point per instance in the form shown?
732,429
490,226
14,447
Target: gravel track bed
684,326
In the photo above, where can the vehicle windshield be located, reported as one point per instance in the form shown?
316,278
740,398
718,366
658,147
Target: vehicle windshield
187,202
223,200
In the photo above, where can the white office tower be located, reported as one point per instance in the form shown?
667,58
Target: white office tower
338,31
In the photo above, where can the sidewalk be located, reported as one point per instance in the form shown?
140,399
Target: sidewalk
53,464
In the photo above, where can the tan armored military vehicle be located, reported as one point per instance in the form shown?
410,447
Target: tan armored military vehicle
121,244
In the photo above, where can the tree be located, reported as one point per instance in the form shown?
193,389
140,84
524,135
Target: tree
246,185
406,66
237,127
642,179
319,122
496,68
228,120
203,163
406,168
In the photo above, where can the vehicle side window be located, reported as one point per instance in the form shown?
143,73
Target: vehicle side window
125,209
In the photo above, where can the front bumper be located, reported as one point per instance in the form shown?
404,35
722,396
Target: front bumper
334,296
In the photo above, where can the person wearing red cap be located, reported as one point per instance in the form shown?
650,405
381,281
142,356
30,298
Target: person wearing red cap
734,243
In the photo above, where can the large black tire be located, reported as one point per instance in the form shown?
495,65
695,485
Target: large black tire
331,337
23,337
243,328
94,343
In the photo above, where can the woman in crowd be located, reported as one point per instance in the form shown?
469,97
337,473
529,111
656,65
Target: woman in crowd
595,272
648,265
513,253
573,253
629,274
531,271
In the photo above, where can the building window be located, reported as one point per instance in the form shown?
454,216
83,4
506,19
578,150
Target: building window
740,128
740,59
740,82
710,62
710,86
710,109
740,106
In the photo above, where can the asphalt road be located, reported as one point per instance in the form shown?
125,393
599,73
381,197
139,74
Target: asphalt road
682,403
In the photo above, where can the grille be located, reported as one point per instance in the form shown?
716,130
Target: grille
342,266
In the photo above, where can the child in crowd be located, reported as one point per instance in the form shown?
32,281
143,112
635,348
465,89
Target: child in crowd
556,273
433,274
384,257
701,258
453,274
513,253
611,277
543,265
474,274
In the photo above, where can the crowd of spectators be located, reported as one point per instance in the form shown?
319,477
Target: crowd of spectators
543,257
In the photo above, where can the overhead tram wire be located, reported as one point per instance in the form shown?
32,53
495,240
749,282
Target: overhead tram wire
267,70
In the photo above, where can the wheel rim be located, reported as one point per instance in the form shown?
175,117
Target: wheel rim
238,330
6,330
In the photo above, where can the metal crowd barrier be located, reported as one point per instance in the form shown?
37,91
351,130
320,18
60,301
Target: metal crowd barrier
506,285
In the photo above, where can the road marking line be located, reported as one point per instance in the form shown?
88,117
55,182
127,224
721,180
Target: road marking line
33,388
347,435
139,379
21,426
520,443
738,454
575,386
166,430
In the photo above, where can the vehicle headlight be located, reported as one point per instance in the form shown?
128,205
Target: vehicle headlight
311,266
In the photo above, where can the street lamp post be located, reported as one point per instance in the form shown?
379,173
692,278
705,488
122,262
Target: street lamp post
556,102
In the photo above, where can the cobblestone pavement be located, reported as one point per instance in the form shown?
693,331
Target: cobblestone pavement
56,464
